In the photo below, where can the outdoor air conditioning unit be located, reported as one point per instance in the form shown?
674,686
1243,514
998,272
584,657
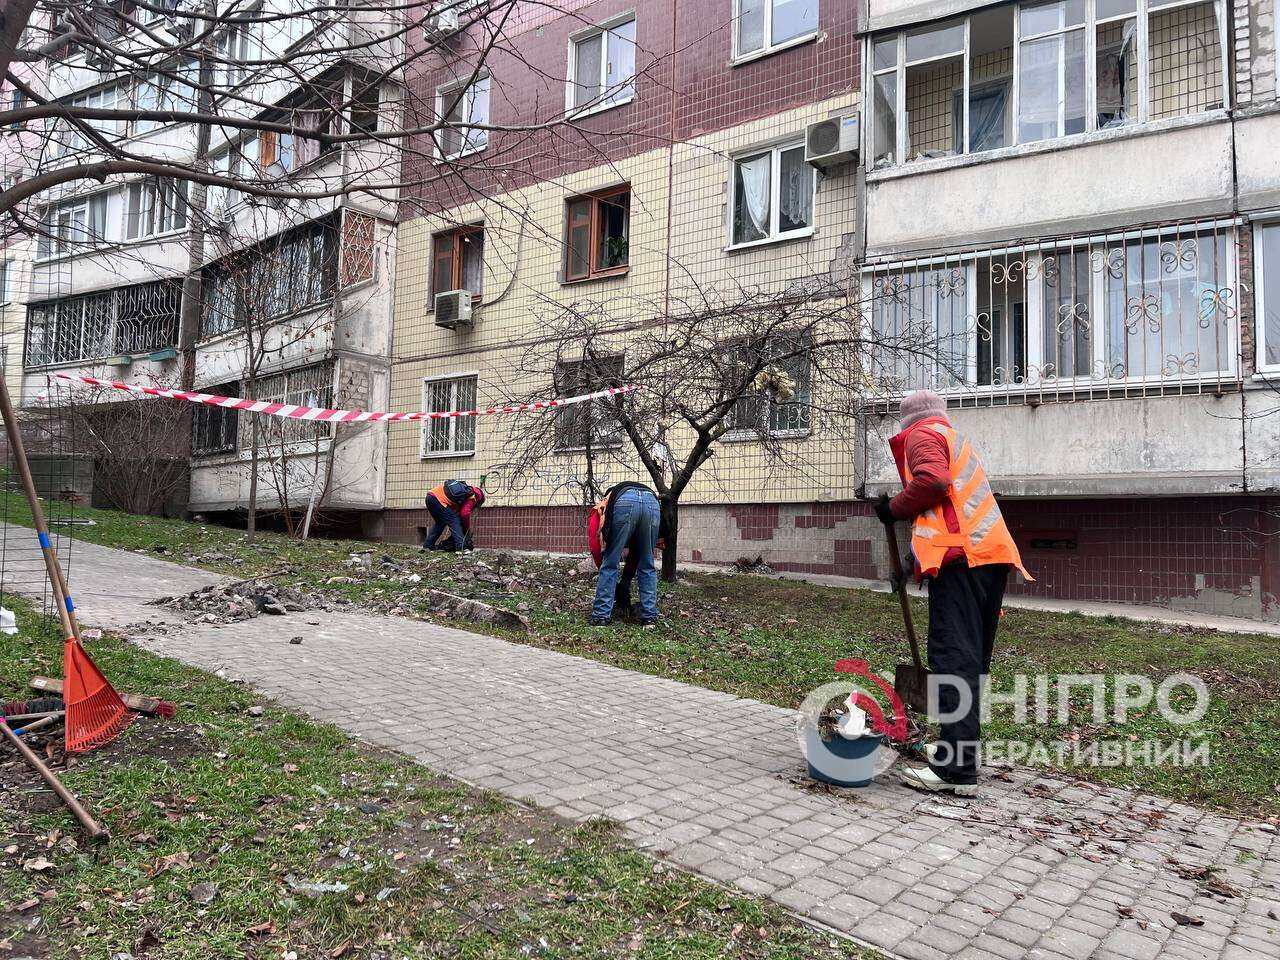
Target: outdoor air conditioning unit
831,142
453,309
443,24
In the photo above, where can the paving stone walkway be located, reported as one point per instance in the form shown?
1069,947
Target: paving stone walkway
1036,867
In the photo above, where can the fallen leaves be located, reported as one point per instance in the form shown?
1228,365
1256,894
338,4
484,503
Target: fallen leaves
37,865
1183,920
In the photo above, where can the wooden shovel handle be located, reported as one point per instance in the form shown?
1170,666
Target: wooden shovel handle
895,561
91,826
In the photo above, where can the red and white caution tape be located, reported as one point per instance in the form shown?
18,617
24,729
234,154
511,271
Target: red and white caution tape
322,415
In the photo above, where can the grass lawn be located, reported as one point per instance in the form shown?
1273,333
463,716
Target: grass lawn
242,830
776,640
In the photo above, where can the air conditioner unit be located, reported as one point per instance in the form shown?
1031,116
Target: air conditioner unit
443,24
831,142
453,309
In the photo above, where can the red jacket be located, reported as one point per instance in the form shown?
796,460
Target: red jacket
924,453
470,507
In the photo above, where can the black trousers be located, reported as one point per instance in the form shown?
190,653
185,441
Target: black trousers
964,613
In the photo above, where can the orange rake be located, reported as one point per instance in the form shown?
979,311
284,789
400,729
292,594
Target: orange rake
95,711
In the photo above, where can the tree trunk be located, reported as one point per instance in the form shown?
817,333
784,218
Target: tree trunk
671,532
251,524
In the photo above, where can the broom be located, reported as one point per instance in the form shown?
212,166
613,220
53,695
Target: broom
95,712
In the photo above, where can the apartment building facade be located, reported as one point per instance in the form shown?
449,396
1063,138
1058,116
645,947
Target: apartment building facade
293,301
682,179
1068,207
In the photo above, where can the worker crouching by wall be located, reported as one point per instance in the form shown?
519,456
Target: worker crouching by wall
445,504
466,514
628,520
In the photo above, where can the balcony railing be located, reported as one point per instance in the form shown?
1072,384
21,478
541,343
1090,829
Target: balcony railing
1142,311
126,320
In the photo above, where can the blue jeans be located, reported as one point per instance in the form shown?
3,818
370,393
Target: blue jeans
444,518
636,519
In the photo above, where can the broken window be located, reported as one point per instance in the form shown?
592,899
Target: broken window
955,81
598,230
1051,70
1001,321
590,423
1267,243
1068,315
136,319
772,196
777,395
214,429
307,387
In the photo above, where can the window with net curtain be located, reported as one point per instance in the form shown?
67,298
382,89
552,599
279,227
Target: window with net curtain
604,67
772,195
449,435
459,107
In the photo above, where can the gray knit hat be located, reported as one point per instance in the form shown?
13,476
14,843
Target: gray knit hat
921,404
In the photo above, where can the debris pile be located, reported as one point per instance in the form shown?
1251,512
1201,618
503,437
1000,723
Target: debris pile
748,565
231,603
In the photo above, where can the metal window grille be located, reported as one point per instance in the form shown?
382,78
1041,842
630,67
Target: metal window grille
452,434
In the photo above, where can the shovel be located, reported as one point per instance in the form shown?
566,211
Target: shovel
910,680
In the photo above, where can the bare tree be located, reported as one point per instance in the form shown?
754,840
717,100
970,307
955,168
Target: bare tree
777,377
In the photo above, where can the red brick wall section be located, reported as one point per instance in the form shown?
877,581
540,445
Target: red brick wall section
1219,554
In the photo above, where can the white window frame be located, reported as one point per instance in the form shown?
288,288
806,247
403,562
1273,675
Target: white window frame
157,207
1033,254
6,280
452,452
775,211
65,246
467,102
1262,369
1143,12
625,91
768,47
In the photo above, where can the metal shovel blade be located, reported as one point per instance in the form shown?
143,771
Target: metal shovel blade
911,683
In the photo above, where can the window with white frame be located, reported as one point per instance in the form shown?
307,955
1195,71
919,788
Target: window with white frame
449,436
153,207
66,137
1022,73
69,225
237,48
1148,307
306,387
602,67
8,281
772,196
764,25
1266,256
173,89
460,108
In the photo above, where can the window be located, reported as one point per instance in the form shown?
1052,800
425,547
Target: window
602,68
1148,307
173,90
772,196
365,106
66,138
1267,257
764,25
776,399
8,280
1070,66
214,429
153,207
229,163
71,224
448,436
597,234
17,100
236,50
136,319
292,272
309,387
457,261
458,107
591,423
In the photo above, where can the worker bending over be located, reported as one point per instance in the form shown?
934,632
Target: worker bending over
629,520
964,551
445,504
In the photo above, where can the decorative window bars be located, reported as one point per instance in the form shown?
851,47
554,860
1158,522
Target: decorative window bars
126,320
1141,311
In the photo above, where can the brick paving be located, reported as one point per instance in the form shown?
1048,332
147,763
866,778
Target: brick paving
1037,866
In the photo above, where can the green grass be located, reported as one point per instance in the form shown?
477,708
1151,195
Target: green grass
776,640
217,814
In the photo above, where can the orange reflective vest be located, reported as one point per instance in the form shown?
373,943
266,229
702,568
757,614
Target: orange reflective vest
442,498
983,536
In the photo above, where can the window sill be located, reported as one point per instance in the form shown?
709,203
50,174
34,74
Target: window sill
747,436
1150,128
745,58
604,107
769,241
447,454
600,275
441,159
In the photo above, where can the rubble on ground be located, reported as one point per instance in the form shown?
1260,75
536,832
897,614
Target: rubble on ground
477,611
748,565
231,603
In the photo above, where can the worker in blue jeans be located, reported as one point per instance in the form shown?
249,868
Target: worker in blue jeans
632,520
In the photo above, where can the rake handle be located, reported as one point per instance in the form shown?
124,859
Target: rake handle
95,830
895,562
